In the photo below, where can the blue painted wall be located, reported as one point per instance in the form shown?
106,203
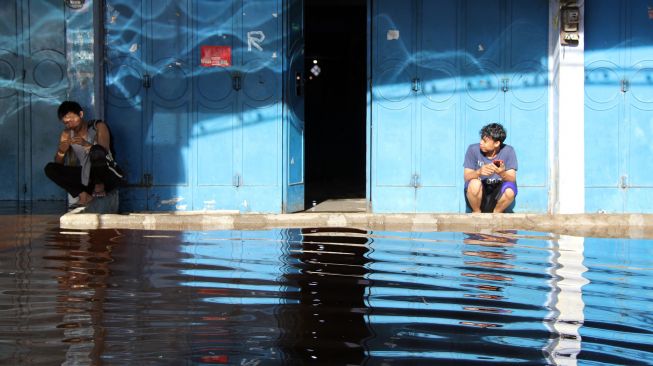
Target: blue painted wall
194,138
440,71
205,138
618,106
46,56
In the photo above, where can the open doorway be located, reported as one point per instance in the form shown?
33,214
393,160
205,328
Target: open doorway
335,105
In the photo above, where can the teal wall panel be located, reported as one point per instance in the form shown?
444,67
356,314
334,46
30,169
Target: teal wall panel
440,71
618,106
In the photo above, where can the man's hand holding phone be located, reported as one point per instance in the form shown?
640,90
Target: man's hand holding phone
499,166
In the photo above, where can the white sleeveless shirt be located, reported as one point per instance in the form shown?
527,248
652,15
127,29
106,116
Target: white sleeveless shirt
82,153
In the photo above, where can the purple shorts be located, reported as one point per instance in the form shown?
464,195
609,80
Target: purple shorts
511,185
491,194
504,186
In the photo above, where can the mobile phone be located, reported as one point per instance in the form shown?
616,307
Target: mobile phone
498,163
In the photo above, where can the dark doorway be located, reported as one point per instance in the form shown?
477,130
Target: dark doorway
336,38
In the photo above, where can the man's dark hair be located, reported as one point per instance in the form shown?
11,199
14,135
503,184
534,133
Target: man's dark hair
67,107
495,131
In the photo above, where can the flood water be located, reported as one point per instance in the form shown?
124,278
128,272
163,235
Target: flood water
320,296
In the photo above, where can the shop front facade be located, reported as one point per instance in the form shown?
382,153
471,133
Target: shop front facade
205,100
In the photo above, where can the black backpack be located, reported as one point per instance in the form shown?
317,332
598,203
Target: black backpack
109,157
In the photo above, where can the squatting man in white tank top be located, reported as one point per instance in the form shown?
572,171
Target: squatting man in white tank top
89,143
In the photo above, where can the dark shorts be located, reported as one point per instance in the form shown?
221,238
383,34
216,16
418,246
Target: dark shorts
491,194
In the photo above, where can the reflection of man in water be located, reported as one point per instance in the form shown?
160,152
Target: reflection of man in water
490,172
503,238
495,261
81,265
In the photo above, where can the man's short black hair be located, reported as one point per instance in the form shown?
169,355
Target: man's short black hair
67,107
495,131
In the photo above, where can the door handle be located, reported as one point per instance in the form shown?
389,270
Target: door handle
414,180
505,87
236,82
625,85
147,81
416,85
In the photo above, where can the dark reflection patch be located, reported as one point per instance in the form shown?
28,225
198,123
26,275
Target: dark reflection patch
75,4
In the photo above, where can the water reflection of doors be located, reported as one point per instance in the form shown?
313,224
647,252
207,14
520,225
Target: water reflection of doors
193,137
327,312
34,80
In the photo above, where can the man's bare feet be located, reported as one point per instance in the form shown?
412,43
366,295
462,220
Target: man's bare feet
99,190
84,198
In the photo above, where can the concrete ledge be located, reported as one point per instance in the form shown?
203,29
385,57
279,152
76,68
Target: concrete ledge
596,225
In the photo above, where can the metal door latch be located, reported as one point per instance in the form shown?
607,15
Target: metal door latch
416,85
236,82
505,87
147,81
414,181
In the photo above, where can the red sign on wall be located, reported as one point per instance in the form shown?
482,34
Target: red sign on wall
215,56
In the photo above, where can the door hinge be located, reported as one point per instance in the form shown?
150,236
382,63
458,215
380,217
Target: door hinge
147,81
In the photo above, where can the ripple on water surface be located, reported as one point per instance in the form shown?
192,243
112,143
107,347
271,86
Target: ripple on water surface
330,296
